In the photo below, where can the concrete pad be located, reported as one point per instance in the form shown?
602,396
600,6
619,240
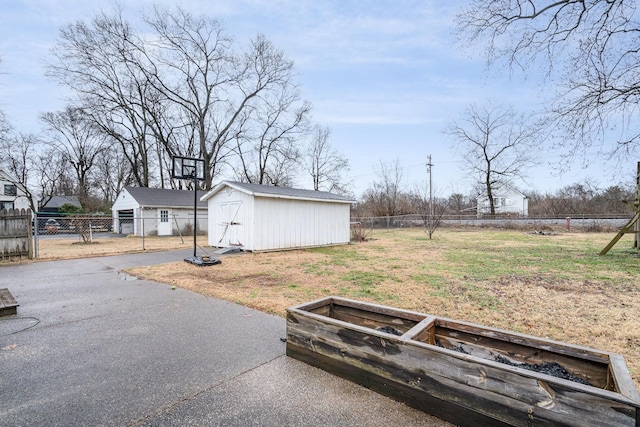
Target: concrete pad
91,346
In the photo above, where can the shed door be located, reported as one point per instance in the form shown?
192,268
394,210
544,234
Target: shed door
164,222
229,225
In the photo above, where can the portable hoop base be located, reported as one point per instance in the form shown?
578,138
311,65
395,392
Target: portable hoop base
202,261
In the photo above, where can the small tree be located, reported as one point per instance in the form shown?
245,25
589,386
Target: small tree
79,221
431,209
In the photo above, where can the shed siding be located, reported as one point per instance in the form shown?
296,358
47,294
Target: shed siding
285,224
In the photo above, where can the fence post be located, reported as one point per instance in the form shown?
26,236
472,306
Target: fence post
568,224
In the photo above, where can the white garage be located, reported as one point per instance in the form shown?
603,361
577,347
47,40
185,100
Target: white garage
265,218
157,212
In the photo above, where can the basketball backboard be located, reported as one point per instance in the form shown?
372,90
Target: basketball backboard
187,167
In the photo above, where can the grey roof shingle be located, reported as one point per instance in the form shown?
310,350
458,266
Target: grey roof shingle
158,197
56,202
297,193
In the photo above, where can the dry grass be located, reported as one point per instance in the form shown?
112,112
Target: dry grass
550,286
73,247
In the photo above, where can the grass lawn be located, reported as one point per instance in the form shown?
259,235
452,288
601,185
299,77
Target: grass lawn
554,286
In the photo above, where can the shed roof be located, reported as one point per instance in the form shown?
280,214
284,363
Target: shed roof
260,190
159,197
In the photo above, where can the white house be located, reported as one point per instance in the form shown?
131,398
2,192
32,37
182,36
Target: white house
506,200
264,218
12,194
154,211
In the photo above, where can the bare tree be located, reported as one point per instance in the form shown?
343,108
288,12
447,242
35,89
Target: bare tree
192,66
5,126
325,165
181,87
76,139
591,48
268,148
430,209
99,62
495,145
54,174
111,174
457,203
384,195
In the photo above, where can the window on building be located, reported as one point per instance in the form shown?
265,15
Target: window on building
10,190
6,205
498,201
164,216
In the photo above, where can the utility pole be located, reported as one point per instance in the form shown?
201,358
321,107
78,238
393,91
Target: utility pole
429,166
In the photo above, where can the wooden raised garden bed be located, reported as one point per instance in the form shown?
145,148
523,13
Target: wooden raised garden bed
467,374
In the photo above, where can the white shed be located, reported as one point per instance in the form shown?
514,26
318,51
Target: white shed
154,211
265,218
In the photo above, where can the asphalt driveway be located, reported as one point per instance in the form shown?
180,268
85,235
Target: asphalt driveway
93,346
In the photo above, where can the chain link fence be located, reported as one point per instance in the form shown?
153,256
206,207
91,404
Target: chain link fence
88,228
568,223
157,230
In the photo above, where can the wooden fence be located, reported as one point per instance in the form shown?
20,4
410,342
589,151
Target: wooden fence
15,233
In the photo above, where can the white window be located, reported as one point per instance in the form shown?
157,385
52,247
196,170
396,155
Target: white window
10,190
164,216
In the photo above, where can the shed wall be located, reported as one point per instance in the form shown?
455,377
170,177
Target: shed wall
285,223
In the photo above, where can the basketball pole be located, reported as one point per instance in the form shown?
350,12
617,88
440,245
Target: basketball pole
195,210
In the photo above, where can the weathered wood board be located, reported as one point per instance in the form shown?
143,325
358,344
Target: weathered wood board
456,371
8,304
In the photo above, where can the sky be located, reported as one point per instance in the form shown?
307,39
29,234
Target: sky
385,76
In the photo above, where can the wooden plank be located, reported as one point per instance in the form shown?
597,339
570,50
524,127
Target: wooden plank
312,305
528,340
425,328
623,230
442,409
354,314
380,309
622,379
596,373
372,320
8,304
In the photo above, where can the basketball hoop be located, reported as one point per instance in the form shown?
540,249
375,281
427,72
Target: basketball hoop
187,168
